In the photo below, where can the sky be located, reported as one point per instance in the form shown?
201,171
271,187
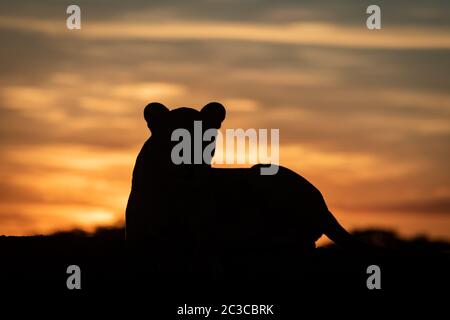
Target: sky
363,114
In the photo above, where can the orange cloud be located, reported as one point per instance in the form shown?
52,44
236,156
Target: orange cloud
293,33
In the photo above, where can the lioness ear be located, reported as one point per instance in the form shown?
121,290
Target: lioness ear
155,114
213,114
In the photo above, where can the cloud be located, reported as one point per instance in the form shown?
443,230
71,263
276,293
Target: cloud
84,187
349,12
240,105
424,205
322,34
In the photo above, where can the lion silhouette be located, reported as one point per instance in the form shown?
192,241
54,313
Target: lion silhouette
180,211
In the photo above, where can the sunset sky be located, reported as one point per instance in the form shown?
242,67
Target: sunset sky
364,115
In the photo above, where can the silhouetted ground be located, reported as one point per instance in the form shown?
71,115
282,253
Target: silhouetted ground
416,268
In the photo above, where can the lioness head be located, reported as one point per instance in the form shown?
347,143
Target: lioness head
184,136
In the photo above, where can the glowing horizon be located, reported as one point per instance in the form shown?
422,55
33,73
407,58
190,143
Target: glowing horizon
365,116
